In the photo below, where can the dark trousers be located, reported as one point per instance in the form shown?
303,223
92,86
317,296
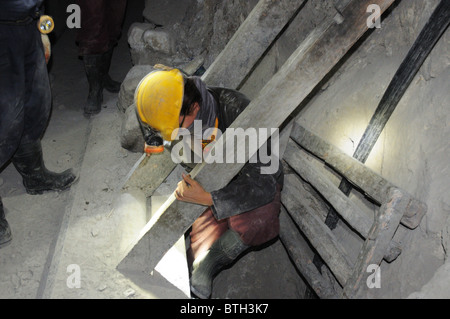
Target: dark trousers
101,25
25,96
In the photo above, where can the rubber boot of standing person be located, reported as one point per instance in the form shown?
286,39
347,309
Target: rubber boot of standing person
37,179
101,27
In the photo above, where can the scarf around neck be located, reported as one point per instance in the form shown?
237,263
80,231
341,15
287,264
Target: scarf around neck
208,108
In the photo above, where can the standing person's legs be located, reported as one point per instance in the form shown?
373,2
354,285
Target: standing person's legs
12,84
100,30
24,112
115,16
28,158
93,41
101,25
93,37
38,99
13,43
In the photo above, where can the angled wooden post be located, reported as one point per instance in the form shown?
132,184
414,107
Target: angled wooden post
377,243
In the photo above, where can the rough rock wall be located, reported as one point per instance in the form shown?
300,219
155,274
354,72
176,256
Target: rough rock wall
176,32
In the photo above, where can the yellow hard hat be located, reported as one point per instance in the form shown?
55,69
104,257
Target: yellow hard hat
158,99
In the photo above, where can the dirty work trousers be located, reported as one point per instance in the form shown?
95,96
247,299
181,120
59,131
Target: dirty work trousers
25,96
255,227
101,25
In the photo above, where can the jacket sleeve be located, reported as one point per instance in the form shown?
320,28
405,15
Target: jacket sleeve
249,190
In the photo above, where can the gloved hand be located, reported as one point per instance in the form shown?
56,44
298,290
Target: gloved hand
47,46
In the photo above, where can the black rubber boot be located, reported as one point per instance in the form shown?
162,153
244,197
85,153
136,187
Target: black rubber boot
37,179
5,231
93,65
109,84
222,253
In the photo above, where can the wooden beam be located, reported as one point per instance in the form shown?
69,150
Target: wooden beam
250,41
357,219
425,42
377,244
303,71
297,248
360,176
150,173
315,230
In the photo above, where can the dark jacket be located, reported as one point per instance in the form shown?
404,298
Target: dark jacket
13,10
249,189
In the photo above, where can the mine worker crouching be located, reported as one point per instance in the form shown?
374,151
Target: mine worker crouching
241,215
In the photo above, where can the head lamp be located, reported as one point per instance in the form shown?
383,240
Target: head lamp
154,143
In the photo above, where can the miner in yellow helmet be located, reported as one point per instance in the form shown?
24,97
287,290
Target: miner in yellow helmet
243,214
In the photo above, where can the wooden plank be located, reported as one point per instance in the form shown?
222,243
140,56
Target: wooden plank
303,71
297,248
357,219
317,233
367,181
377,244
260,29
150,173
363,178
